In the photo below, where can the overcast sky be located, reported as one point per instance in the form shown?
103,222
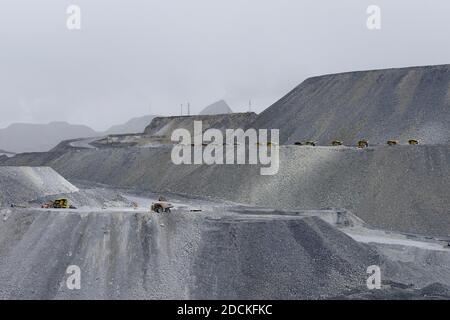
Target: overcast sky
136,57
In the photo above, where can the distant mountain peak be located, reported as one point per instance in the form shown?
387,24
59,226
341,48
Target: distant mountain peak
219,107
134,125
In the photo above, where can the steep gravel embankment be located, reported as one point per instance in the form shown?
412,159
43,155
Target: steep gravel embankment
208,255
405,188
181,255
407,103
20,184
223,252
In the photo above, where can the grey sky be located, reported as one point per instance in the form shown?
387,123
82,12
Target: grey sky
134,54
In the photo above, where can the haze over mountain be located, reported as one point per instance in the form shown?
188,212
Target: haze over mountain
134,125
219,107
28,137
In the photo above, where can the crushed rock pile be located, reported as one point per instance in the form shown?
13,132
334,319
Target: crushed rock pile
22,184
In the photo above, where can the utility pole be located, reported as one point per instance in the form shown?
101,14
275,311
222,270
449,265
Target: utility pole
189,109
250,105
181,109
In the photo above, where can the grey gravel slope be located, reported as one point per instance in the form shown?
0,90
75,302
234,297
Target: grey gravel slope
181,256
407,103
22,184
209,255
279,260
404,188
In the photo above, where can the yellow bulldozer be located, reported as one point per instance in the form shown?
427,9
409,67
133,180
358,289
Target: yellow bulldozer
60,203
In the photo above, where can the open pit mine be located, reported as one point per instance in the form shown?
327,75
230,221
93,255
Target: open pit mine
359,208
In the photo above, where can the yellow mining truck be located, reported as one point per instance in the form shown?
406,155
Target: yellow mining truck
392,142
162,205
363,144
61,203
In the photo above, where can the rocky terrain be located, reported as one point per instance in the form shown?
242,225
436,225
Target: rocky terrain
399,104
308,232
21,184
219,251
402,188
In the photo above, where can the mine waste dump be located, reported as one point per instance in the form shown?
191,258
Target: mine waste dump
359,209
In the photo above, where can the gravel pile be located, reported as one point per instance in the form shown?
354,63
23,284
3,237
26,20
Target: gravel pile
182,256
402,188
207,255
89,198
378,105
22,184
